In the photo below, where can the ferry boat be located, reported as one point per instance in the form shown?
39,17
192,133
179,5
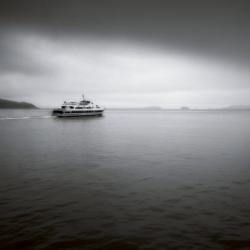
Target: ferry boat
78,109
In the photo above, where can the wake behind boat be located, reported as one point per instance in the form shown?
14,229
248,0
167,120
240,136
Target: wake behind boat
78,109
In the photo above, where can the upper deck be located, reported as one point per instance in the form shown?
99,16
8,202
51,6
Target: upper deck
84,104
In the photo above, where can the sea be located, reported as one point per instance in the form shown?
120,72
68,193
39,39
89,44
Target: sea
130,179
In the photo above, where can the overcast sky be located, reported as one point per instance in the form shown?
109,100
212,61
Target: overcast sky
126,53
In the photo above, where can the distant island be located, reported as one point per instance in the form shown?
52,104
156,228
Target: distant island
7,104
238,107
152,108
186,108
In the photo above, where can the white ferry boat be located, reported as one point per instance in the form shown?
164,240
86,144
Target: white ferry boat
75,109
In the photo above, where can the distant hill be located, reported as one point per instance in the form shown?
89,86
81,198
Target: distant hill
184,108
238,107
152,108
7,104
139,108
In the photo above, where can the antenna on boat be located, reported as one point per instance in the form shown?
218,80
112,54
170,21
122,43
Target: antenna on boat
83,96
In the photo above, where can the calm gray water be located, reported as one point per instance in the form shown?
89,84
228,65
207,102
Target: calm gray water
127,180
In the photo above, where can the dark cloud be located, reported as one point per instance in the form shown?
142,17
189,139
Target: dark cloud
139,52
219,28
18,61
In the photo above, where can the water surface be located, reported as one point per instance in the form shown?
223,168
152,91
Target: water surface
127,180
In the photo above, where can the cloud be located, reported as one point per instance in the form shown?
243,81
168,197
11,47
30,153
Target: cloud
116,73
17,58
211,28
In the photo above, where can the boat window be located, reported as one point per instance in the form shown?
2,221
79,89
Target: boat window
71,107
63,107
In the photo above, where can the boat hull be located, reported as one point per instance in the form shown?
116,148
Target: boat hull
60,113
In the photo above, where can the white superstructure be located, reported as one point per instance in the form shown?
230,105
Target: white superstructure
82,108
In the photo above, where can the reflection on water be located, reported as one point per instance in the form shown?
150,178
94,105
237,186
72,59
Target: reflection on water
127,180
